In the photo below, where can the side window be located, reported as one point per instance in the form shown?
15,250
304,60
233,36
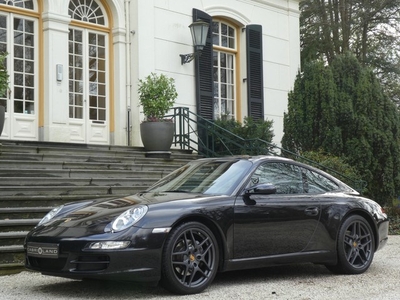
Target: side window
287,178
315,183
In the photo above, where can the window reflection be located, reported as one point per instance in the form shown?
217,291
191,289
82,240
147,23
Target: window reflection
292,179
316,183
285,177
215,177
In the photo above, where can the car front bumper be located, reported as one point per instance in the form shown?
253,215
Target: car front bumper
141,261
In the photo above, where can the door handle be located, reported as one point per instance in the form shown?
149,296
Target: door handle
311,211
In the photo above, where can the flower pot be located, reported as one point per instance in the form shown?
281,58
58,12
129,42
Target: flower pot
157,136
2,117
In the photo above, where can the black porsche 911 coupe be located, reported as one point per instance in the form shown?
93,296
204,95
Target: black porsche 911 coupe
210,216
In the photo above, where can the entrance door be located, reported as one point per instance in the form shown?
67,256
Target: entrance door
17,39
88,104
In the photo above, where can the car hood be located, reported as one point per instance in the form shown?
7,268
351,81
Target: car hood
98,213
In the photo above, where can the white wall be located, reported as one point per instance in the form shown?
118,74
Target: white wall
149,35
55,49
162,34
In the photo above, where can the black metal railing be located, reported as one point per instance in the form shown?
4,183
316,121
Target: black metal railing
193,132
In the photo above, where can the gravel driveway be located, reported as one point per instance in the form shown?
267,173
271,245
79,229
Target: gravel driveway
381,281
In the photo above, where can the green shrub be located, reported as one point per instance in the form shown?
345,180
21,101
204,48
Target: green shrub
157,95
253,137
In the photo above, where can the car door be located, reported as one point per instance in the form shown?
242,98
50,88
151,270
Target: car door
279,223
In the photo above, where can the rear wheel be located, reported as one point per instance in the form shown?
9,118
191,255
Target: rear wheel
190,259
355,246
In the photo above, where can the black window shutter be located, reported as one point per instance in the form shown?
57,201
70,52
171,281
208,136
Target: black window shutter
255,88
204,72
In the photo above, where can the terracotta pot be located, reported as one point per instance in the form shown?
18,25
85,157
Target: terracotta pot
157,136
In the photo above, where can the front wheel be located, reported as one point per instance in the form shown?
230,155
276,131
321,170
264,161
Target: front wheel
355,246
190,259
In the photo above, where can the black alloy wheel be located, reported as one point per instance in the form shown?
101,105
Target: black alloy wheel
356,246
190,259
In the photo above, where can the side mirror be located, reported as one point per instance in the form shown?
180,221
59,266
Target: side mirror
264,189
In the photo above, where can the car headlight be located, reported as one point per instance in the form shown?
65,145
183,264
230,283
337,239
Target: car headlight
129,217
50,215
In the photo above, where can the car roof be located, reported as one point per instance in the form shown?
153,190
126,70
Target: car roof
251,158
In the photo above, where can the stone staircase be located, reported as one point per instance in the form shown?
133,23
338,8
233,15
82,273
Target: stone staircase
36,176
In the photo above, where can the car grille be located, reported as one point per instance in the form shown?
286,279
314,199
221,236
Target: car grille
90,263
77,264
46,264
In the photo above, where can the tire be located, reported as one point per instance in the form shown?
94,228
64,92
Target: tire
190,259
355,246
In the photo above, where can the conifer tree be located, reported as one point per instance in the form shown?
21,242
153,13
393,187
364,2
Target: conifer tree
342,110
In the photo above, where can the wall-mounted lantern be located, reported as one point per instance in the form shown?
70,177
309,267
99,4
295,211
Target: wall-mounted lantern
199,31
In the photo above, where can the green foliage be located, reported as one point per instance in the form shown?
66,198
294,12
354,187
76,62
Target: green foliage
341,110
3,74
157,95
251,138
368,29
310,123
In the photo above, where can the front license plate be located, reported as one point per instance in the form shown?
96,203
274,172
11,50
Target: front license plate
42,250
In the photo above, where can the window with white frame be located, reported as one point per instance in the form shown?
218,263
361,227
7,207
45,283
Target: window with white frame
87,63
86,11
224,68
28,4
18,41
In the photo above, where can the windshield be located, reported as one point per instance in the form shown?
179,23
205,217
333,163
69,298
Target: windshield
217,177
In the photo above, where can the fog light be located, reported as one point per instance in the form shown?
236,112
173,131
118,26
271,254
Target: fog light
109,245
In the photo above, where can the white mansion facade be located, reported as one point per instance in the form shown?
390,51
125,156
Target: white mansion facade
74,65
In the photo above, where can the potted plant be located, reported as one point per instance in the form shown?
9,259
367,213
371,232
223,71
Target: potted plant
157,95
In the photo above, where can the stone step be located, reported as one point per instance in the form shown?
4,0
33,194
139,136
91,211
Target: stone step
11,268
84,150
13,235
18,225
8,210
9,146
98,191
82,173
12,238
16,248
90,157
8,213
15,202
19,222
10,255
37,176
66,182
62,165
